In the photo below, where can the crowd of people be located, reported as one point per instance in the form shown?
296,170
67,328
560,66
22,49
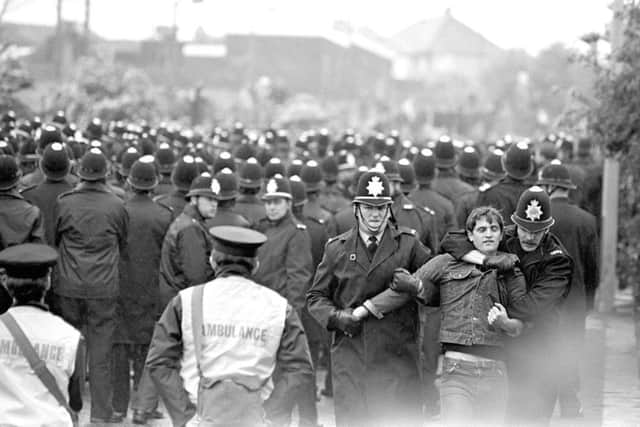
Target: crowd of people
220,272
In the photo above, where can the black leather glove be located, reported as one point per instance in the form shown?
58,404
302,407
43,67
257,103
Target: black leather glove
404,282
345,321
501,261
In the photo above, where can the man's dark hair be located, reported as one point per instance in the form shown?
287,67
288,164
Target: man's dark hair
487,212
27,290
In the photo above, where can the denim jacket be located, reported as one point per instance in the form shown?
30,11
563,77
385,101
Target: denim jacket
465,295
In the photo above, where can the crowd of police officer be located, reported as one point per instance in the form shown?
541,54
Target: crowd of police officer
129,208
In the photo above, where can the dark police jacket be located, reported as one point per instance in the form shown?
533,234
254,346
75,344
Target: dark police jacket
139,299
285,259
45,196
503,196
185,254
20,221
90,233
378,368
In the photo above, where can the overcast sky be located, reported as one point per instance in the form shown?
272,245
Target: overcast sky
527,24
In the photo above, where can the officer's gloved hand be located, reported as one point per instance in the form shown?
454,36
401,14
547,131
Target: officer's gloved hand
345,321
501,261
404,282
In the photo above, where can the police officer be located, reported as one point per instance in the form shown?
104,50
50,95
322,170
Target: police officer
331,197
227,182
405,212
468,166
250,181
424,166
344,219
285,259
311,175
24,398
187,244
447,182
20,221
48,135
55,165
165,161
491,172
576,229
183,174
316,335
91,233
533,359
374,360
504,195
249,332
138,299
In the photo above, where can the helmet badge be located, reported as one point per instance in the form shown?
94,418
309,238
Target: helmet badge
534,211
375,186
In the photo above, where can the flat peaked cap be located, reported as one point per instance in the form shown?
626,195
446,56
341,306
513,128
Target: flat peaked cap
28,260
238,241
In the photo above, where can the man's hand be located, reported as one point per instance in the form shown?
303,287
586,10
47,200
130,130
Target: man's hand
345,321
404,282
501,261
497,315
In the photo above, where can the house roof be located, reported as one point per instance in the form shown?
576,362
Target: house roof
25,34
441,35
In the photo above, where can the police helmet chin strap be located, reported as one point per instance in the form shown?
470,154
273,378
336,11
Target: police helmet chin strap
361,217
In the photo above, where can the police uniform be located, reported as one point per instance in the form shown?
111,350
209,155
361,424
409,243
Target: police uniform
504,194
250,207
249,332
466,203
449,185
164,185
55,165
375,372
285,259
24,399
420,219
91,233
577,230
186,247
138,299
443,207
20,221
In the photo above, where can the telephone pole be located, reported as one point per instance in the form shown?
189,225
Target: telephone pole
610,189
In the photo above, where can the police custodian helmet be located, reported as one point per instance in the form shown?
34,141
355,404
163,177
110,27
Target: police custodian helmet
533,212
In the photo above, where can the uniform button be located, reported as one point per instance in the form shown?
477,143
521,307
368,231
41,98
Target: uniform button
475,319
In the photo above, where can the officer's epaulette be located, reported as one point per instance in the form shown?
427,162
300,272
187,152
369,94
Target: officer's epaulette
301,226
429,210
408,206
66,193
167,207
406,230
344,236
314,219
31,187
484,187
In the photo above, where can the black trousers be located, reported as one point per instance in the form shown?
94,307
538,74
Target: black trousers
127,358
95,318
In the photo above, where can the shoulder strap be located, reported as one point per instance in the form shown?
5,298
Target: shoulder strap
37,364
196,323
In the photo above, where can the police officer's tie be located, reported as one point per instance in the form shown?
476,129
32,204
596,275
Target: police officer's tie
372,247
